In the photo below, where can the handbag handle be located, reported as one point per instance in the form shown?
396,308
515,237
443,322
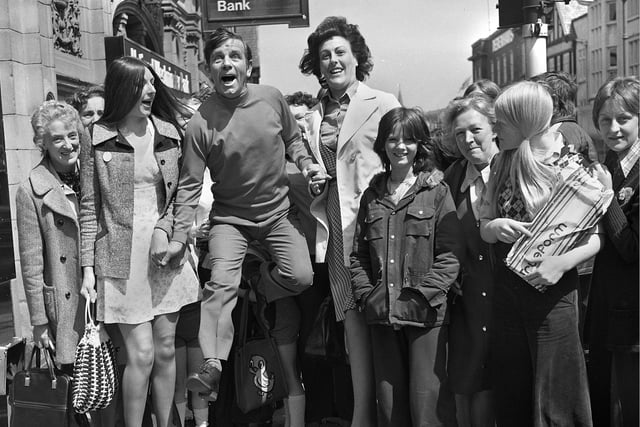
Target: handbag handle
48,359
87,313
244,317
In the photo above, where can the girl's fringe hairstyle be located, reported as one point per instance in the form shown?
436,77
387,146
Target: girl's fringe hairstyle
414,126
526,108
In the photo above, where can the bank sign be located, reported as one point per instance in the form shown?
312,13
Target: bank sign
217,13
171,75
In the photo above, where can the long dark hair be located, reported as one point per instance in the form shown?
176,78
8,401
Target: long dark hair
414,126
333,26
123,87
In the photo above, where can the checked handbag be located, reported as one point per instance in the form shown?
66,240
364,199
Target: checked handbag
95,375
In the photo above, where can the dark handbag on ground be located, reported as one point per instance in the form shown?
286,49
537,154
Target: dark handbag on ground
95,371
259,377
326,338
41,395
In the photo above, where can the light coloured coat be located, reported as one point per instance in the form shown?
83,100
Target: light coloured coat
106,205
356,162
48,238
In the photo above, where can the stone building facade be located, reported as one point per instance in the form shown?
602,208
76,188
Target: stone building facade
49,48
594,40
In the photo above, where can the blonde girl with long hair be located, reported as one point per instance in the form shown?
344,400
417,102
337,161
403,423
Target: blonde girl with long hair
541,376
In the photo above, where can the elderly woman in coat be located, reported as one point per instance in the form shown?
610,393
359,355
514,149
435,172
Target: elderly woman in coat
48,232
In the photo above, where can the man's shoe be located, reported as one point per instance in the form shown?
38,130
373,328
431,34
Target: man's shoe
206,382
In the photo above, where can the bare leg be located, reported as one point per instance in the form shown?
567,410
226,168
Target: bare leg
295,415
362,375
180,398
463,410
200,406
163,375
481,409
138,340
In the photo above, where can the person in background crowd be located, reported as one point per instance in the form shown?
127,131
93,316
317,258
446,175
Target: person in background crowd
307,303
129,176
612,319
539,374
404,261
471,121
563,90
241,133
483,86
342,129
89,102
188,352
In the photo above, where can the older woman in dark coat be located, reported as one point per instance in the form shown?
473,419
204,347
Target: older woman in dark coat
471,121
48,232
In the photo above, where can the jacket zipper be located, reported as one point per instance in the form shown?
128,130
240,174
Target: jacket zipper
32,405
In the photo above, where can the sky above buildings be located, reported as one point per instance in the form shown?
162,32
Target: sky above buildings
419,47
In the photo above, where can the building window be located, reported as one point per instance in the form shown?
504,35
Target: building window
504,68
634,57
613,56
566,62
633,8
612,15
511,65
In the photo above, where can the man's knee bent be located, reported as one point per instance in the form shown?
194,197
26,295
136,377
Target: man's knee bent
303,275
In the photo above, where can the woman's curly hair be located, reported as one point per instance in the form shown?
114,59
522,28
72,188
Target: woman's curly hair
333,26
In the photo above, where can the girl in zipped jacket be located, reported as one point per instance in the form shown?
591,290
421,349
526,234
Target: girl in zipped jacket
404,260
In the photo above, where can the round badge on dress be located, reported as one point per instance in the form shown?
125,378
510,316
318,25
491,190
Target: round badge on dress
106,157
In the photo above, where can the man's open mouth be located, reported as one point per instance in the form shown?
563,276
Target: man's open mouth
228,79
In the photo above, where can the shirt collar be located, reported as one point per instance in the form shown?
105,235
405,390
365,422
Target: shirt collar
629,158
472,173
346,98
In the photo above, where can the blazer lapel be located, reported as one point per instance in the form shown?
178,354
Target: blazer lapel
46,185
314,121
360,109
632,178
617,176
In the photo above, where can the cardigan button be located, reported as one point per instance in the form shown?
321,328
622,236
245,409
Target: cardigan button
480,257
168,184
63,259
67,295
60,222
162,162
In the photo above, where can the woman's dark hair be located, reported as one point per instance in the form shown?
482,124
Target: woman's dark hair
333,26
301,98
486,86
123,87
623,90
414,127
563,89
80,97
